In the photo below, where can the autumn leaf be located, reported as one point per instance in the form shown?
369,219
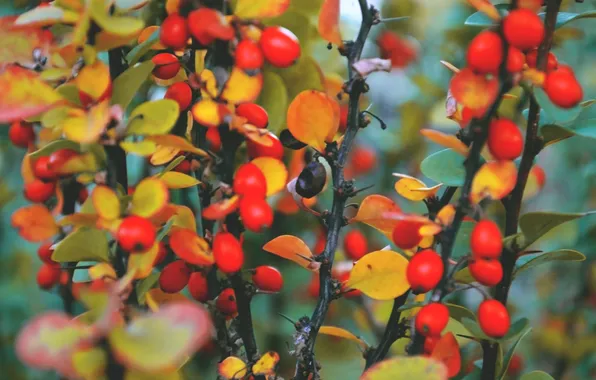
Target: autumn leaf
142,263
150,197
140,148
94,81
102,270
275,173
241,87
313,118
153,118
447,351
266,364
413,189
232,368
89,363
221,209
163,154
448,141
34,223
291,248
209,113
380,275
341,333
371,212
257,9
175,142
176,180
26,45
24,94
495,180
106,202
329,22
486,7
473,90
86,126
190,247
406,368
155,298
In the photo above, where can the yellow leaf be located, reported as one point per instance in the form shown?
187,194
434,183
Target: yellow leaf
141,148
94,80
117,25
84,244
34,223
446,215
150,197
209,113
102,270
90,364
86,127
407,368
163,155
380,275
177,142
275,173
138,375
209,88
232,368
106,202
291,248
241,87
413,189
143,261
176,180
494,179
371,212
140,345
79,220
184,218
190,247
329,22
153,118
449,141
341,333
249,9
86,162
45,16
266,364
313,118
157,297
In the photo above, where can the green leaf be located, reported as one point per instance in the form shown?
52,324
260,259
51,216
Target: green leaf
459,331
84,244
165,230
406,367
482,20
464,276
559,255
462,240
567,17
535,224
146,284
411,306
274,98
475,330
511,351
515,329
172,165
476,374
139,51
303,75
459,312
556,115
54,146
536,375
445,166
153,118
553,133
82,275
127,84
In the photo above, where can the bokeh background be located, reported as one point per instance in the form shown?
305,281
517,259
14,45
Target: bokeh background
559,298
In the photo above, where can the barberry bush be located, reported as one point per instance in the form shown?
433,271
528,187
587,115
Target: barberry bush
305,189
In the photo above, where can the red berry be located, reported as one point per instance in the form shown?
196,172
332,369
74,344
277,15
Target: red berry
424,271
280,46
493,318
166,65
45,253
486,240
174,32
249,180
136,234
515,365
226,302
275,150
42,170
406,234
320,244
268,278
551,61
162,252
314,287
540,175
213,139
487,272
485,53
183,167
429,343
362,160
505,140
432,319
21,134
59,157
256,213
83,195
227,252
343,118
248,55
198,288
562,88
355,245
523,29
515,60
38,191
181,93
174,277
254,114
48,275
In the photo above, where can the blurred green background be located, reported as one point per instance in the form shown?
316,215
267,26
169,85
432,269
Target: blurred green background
559,298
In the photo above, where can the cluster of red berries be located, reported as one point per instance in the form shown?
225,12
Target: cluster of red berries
49,274
257,116
250,184
486,244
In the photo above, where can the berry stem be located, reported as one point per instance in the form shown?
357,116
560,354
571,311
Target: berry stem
533,145
306,366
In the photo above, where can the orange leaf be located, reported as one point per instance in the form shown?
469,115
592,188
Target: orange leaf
372,210
150,197
291,248
22,44
447,351
146,33
94,80
106,202
248,9
34,223
184,218
275,172
494,179
413,189
241,87
486,7
24,94
156,297
266,364
27,170
209,113
232,368
313,118
472,90
190,247
221,209
329,22
449,141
